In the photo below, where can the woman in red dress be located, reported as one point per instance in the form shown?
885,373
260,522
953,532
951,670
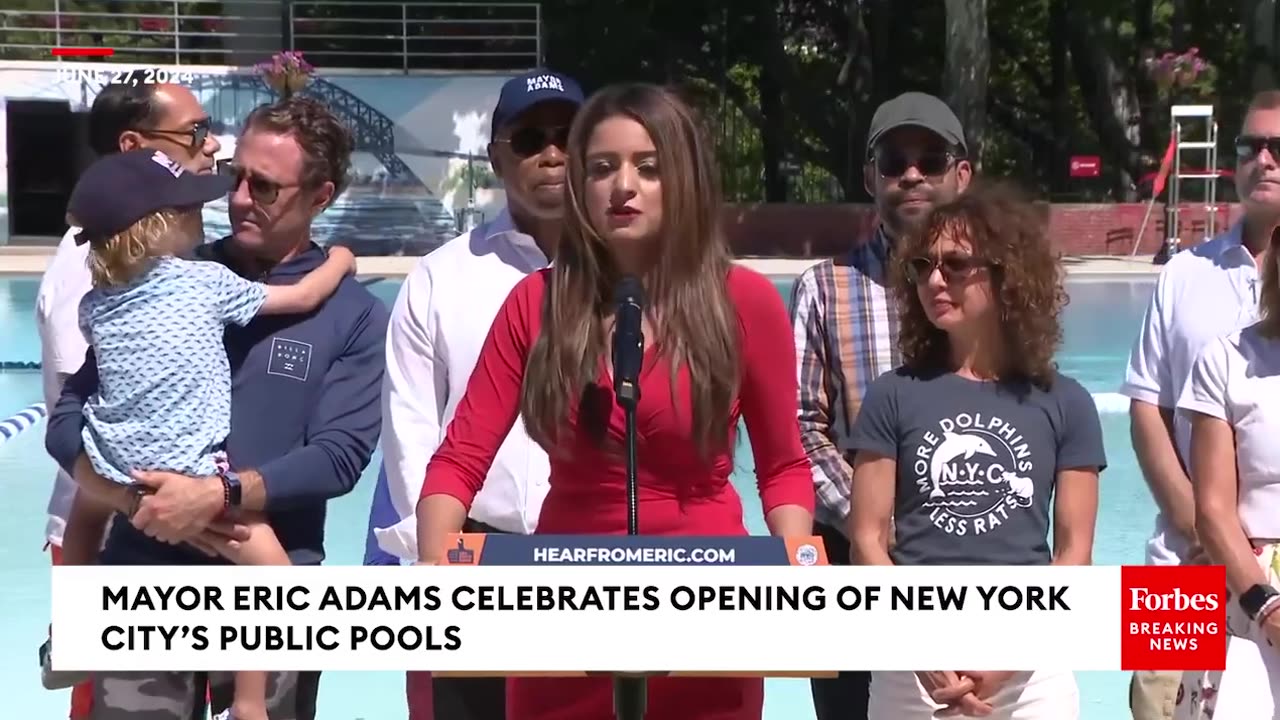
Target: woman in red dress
644,201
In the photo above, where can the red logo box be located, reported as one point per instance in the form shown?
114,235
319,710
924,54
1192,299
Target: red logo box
1173,618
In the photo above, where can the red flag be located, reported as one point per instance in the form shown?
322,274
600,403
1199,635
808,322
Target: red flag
1166,165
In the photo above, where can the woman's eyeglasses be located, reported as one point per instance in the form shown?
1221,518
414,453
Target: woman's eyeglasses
954,266
198,133
263,191
895,163
531,140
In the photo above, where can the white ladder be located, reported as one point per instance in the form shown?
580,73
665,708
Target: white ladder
1180,117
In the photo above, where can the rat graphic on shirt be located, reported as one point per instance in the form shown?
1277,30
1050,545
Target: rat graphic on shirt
974,470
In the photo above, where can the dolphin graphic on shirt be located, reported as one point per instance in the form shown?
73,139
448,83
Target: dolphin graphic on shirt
954,446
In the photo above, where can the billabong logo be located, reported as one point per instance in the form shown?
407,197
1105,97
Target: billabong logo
807,555
974,471
543,82
290,358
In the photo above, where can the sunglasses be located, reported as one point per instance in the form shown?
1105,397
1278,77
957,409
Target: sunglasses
263,191
531,140
198,132
954,266
1250,146
895,163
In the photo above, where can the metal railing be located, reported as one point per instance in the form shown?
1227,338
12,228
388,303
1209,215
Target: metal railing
386,36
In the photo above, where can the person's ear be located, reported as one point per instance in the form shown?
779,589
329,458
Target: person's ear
322,198
964,175
492,151
130,140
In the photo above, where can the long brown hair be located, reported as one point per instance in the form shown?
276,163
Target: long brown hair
1004,227
695,323
1269,295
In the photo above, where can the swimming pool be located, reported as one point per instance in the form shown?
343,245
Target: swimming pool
1100,324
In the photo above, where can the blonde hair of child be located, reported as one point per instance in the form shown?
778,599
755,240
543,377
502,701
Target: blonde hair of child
127,254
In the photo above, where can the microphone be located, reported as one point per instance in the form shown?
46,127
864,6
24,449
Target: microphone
630,694
628,341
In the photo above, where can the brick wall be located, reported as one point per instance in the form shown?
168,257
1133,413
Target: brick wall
781,230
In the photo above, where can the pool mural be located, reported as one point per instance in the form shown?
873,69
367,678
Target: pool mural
419,173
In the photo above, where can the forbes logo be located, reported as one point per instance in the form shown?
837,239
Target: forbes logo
1142,598
1173,618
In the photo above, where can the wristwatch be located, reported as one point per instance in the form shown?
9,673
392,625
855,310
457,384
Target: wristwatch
230,489
1253,599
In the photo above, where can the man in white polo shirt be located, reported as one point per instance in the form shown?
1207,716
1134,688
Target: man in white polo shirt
1202,293
438,326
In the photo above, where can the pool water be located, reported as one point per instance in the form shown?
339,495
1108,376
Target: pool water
1100,324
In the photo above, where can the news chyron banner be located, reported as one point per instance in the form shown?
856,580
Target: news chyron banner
552,605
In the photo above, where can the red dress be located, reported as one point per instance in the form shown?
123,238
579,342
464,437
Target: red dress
679,493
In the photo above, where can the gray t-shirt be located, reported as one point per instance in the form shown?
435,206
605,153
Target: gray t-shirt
977,463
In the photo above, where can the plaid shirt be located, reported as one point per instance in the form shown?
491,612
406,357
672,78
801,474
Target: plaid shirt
845,323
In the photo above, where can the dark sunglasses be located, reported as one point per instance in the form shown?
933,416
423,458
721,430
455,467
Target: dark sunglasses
531,140
1249,146
895,163
954,266
263,191
198,132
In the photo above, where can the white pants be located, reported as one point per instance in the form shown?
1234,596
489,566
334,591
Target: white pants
1042,695
1250,685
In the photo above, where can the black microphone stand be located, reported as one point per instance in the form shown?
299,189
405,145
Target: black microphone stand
630,694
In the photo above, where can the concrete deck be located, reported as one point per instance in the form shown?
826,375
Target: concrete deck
22,260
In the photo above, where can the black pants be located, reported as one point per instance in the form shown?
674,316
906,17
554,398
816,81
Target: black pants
470,698
843,697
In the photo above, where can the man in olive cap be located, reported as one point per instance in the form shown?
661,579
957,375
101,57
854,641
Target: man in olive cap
845,321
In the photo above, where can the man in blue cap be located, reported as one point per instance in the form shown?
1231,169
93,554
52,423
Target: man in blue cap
438,326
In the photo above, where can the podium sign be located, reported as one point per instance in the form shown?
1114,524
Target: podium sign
634,550
526,550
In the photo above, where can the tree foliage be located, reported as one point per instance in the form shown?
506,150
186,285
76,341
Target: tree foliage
788,87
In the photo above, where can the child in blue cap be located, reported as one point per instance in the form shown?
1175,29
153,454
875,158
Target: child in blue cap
155,323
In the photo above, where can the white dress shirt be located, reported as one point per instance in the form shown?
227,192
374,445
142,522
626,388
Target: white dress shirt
438,326
1202,294
62,350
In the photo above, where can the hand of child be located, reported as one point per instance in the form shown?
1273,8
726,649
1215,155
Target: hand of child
341,253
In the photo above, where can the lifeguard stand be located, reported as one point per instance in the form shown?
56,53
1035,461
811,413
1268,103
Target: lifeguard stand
1183,118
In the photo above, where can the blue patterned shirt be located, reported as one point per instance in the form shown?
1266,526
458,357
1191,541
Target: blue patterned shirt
164,394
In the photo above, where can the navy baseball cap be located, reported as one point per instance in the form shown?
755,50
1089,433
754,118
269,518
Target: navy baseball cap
118,190
536,86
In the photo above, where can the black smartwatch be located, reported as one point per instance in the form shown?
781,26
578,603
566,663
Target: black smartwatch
230,489
1253,599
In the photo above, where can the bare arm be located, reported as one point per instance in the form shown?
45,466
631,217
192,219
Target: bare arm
1213,465
1151,430
871,508
91,509
1075,512
306,294
438,517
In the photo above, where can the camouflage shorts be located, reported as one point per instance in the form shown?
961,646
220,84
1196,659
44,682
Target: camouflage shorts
180,695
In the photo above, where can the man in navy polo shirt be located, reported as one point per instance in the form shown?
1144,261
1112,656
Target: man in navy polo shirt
305,402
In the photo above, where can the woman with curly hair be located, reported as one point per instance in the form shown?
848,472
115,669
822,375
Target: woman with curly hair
965,451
